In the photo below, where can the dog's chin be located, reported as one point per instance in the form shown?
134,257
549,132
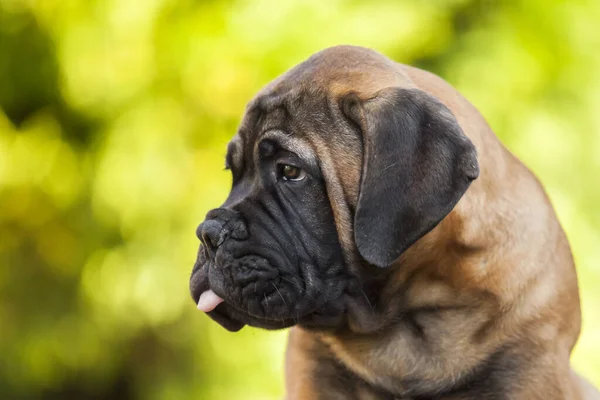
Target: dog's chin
233,319
219,316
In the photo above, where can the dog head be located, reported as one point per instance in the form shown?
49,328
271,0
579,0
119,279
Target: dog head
338,167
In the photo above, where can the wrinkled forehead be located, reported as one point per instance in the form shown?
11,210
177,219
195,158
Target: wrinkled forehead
310,124
291,119
301,109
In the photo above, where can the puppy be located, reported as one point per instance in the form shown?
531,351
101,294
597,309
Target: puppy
375,212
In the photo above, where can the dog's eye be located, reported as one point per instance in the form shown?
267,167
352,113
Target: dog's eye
290,173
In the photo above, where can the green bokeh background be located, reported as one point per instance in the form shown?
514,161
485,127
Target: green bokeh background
114,116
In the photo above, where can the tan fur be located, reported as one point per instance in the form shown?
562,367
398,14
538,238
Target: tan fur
500,255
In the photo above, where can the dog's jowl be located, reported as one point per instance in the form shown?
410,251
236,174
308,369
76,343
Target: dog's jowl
375,213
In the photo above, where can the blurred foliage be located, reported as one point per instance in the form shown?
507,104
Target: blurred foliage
114,115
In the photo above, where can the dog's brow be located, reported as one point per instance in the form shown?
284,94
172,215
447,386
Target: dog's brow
293,144
232,158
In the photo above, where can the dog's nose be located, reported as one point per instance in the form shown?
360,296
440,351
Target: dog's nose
210,233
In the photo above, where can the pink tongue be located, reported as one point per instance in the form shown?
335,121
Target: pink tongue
208,301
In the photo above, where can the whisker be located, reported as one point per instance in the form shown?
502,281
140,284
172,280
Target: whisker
389,166
298,287
280,295
368,302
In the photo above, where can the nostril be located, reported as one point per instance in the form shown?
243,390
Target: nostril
210,232
209,242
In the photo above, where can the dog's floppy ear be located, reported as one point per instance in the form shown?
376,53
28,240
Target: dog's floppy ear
417,164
